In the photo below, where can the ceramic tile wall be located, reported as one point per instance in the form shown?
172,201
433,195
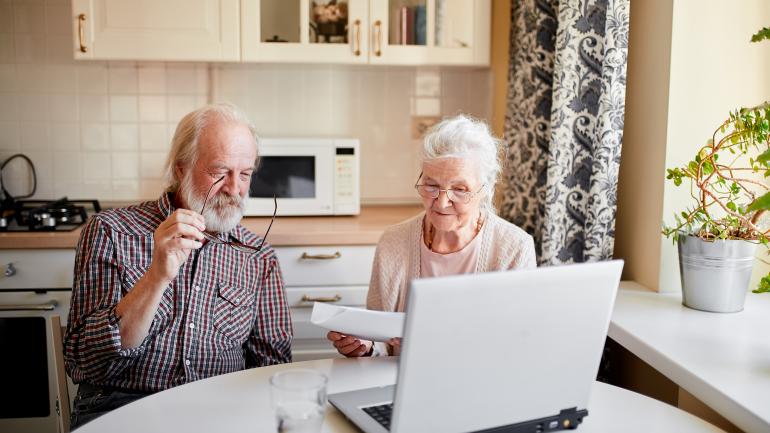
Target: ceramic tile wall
102,129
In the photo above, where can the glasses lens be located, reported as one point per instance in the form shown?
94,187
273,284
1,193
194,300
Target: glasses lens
427,191
459,196
243,248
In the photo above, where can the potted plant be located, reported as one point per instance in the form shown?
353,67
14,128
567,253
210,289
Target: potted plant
718,235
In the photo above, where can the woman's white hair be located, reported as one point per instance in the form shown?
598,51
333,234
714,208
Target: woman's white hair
463,136
184,145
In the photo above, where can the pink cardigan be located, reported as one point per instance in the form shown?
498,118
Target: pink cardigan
397,259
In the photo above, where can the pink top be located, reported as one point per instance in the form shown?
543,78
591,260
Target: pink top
459,262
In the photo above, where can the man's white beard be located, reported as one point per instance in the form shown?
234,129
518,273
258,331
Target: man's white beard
223,211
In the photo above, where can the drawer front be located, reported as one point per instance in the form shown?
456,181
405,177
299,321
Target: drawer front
299,297
326,265
34,269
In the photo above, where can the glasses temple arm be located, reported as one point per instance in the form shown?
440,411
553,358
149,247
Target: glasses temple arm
275,211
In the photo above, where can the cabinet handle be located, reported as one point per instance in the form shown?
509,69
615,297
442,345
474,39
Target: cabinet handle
378,38
306,256
27,307
357,37
82,33
335,298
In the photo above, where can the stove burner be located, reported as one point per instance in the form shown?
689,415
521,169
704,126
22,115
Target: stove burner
44,215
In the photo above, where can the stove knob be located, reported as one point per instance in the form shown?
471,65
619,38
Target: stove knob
49,221
10,270
3,222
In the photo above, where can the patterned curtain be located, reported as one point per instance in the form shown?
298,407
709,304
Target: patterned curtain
564,124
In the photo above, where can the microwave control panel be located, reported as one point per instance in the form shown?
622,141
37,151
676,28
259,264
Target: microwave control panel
345,178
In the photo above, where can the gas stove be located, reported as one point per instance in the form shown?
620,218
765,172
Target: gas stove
46,215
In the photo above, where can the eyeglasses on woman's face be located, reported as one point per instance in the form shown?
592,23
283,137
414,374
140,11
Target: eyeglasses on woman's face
236,245
454,195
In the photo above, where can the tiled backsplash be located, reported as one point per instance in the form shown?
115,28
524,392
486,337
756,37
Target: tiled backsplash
102,129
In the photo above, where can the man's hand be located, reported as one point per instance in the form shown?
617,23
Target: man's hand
349,346
174,239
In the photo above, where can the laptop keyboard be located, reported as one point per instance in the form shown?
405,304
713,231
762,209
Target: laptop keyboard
381,413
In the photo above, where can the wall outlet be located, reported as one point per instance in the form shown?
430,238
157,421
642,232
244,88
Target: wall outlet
421,124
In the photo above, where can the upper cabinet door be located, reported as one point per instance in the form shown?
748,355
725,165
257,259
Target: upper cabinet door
306,31
188,30
430,32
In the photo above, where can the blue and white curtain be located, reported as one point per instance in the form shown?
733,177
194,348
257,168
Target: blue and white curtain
564,124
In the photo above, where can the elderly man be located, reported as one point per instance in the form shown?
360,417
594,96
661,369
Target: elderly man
175,290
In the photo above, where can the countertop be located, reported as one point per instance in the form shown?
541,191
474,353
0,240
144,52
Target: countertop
363,229
723,359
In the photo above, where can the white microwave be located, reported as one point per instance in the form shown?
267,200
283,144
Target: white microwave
309,176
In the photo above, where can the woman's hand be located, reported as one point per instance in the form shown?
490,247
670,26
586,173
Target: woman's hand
349,346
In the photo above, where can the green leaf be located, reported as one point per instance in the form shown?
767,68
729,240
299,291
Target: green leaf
760,35
730,205
764,157
760,203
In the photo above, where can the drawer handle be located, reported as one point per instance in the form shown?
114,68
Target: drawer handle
28,307
306,256
335,298
81,33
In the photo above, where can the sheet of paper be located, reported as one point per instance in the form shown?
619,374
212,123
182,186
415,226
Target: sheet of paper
358,322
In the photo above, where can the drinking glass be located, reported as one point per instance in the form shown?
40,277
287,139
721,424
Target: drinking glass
299,400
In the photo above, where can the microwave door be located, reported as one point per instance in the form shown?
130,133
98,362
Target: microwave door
301,177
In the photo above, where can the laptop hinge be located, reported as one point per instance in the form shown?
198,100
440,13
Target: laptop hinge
567,419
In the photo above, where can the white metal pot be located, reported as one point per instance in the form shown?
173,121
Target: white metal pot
715,274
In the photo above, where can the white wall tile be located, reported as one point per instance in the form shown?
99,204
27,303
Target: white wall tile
153,136
122,79
123,108
151,165
125,165
427,106
9,106
96,166
60,49
62,78
9,136
43,162
6,17
92,78
57,17
124,136
125,189
201,79
31,78
33,107
427,82
152,78
93,107
65,136
63,107
29,18
34,135
150,189
30,48
67,166
97,188
7,48
181,79
179,106
152,108
95,136
8,77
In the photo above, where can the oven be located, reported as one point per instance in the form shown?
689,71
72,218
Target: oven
34,285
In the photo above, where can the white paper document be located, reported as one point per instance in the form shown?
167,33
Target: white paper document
365,324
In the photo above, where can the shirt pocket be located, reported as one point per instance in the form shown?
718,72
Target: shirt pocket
130,275
234,312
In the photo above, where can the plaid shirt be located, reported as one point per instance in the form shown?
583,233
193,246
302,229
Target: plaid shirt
212,319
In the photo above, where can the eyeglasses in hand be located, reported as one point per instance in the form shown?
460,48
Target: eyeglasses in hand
234,244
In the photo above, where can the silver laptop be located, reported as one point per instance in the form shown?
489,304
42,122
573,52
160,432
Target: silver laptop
502,351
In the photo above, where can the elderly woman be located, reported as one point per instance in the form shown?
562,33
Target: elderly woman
458,233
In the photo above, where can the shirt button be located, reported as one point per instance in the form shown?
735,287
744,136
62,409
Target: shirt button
197,288
187,362
192,325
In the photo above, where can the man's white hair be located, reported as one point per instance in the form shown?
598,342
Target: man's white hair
463,136
184,146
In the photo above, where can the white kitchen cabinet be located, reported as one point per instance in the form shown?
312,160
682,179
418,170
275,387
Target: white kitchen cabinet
187,30
36,269
386,32
334,274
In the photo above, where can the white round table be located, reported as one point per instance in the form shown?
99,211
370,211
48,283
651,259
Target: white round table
240,402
